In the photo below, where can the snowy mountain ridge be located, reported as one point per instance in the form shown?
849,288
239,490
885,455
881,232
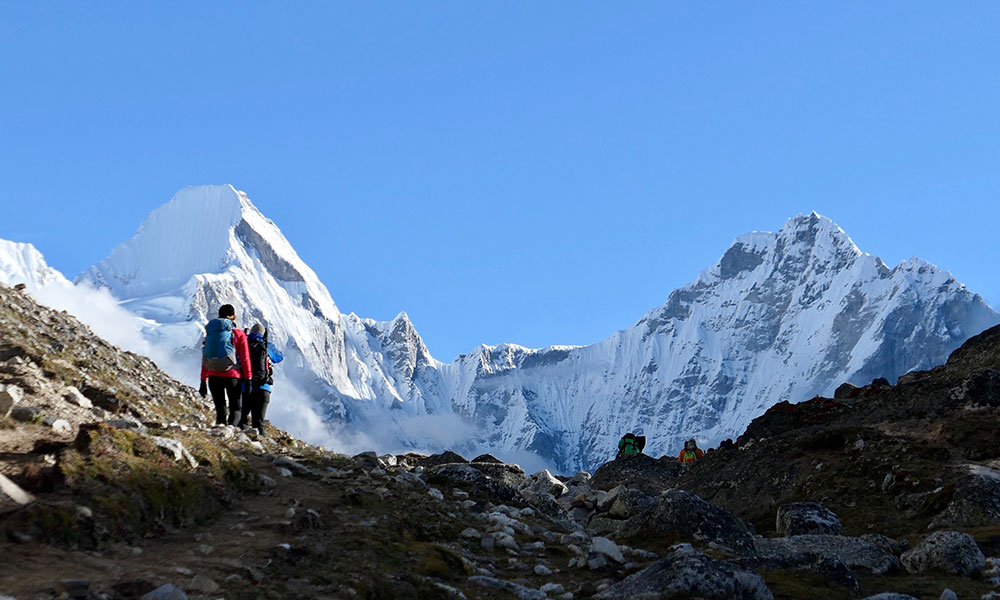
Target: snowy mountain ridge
780,316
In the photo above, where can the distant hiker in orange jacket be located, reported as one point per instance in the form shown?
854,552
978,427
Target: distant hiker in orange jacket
225,365
690,453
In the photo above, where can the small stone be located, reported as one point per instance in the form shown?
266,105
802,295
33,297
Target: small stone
472,533
184,570
62,426
947,594
12,491
284,472
543,571
488,541
166,592
290,512
84,512
552,588
205,549
267,481
203,584
435,493
460,494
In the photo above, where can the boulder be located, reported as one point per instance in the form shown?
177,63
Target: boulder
945,551
638,471
10,395
366,461
686,516
975,501
543,482
25,414
807,518
443,458
630,503
486,458
500,479
846,391
687,573
603,545
72,395
803,551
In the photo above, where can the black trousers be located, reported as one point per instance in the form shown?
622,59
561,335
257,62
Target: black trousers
220,387
255,406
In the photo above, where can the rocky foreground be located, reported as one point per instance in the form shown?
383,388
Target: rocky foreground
114,485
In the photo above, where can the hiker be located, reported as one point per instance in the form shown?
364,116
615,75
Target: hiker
262,356
631,444
225,364
690,453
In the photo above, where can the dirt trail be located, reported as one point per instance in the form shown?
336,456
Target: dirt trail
237,539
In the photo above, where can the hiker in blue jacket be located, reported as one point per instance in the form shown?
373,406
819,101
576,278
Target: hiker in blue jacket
262,356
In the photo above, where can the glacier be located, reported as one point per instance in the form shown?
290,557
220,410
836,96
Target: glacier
780,316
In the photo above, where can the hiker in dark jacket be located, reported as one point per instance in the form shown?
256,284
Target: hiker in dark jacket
262,356
225,365
631,444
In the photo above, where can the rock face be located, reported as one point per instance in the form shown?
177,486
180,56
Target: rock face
686,516
945,551
802,518
689,574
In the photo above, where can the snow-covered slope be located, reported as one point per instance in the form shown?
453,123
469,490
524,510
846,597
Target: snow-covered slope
22,263
781,316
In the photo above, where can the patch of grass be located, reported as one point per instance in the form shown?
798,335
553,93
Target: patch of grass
133,488
787,584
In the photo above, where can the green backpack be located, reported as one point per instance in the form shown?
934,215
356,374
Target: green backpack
630,444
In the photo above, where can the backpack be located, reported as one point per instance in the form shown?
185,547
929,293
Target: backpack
219,353
630,444
260,363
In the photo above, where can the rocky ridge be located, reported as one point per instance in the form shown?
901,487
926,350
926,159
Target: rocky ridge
116,486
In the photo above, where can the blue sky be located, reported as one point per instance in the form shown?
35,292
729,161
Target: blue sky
538,173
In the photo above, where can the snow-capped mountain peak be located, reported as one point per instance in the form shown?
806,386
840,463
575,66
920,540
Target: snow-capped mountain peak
22,263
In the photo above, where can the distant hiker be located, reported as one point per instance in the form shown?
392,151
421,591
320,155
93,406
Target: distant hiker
262,356
690,453
225,364
726,444
631,444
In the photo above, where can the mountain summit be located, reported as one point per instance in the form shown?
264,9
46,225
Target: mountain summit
780,316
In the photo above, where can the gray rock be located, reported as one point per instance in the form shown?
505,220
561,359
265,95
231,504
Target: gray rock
639,471
203,584
11,493
61,426
175,449
802,551
543,571
25,414
975,501
166,592
946,551
543,482
890,545
72,395
947,594
684,514
687,573
807,518
603,545
367,461
10,396
630,503
266,481
435,493
519,591
552,589
471,533
293,466
285,472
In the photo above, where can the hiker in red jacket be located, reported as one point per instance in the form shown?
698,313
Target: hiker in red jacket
225,364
